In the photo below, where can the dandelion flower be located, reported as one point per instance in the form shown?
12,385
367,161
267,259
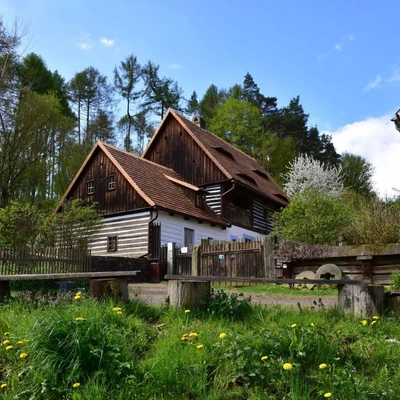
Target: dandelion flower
375,317
6,334
6,342
187,311
263,358
322,366
119,312
373,322
184,338
23,355
287,366
77,297
329,394
9,347
76,385
364,322
293,325
312,324
3,385
80,319
78,293
200,346
222,335
117,309
193,334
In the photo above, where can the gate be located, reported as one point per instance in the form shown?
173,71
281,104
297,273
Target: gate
183,260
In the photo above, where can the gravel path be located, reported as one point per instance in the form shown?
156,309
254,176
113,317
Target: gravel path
157,293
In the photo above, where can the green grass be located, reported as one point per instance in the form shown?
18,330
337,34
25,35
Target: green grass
282,290
137,351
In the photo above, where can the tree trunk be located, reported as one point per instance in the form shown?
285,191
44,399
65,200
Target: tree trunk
188,294
362,300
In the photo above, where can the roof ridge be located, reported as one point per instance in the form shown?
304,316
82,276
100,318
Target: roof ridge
138,157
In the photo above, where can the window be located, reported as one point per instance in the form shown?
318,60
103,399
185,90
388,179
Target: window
111,182
90,187
248,238
188,239
112,242
199,200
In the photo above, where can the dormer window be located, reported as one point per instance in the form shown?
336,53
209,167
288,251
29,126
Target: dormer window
199,200
111,182
90,187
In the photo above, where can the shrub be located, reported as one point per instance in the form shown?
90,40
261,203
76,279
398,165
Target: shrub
232,306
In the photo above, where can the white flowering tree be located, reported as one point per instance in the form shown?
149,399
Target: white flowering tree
306,173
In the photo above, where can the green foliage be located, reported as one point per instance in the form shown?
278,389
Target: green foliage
231,306
396,280
313,218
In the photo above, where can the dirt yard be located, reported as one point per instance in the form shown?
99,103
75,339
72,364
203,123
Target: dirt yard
157,293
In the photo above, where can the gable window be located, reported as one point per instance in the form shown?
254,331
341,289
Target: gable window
199,200
111,182
112,243
90,187
188,239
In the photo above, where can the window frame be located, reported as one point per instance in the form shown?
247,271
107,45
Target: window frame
112,244
90,186
111,182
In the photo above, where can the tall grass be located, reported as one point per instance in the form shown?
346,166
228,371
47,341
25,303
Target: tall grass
84,349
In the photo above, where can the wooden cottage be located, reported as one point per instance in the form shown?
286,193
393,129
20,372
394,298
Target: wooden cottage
188,185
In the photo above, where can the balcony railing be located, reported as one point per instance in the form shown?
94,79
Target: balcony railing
238,216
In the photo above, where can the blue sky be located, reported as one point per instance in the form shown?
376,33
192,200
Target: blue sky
341,56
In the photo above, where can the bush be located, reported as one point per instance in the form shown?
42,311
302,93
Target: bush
232,306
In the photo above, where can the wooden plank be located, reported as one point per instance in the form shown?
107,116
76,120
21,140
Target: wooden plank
68,275
265,280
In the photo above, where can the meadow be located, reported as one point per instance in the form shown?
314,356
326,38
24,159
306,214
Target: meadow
69,346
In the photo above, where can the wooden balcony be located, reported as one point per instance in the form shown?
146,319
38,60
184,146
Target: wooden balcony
238,216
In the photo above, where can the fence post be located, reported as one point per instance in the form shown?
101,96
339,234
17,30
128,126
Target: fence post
196,260
268,258
170,258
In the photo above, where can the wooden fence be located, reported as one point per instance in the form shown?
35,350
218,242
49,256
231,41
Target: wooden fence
38,260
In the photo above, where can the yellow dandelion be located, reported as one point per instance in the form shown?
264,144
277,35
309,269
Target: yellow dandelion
287,366
5,342
77,297
322,366
80,319
117,309
9,347
193,334
3,385
222,335
200,346
263,358
364,322
329,394
20,342
373,322
375,317
184,338
23,355
293,325
187,311
76,385
312,324
119,312
6,334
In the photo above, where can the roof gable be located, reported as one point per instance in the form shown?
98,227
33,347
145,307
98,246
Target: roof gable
233,163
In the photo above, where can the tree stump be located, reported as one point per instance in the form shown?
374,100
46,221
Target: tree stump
188,294
4,289
362,300
112,287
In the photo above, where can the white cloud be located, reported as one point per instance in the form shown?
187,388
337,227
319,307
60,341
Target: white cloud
175,66
86,43
373,84
107,42
338,47
395,77
377,140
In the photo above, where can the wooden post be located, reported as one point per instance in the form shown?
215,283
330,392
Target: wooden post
188,294
362,300
114,287
196,259
268,257
170,258
4,289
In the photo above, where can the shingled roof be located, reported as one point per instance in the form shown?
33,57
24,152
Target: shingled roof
233,163
159,186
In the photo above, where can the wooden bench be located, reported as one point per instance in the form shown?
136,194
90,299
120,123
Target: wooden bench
359,297
101,283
